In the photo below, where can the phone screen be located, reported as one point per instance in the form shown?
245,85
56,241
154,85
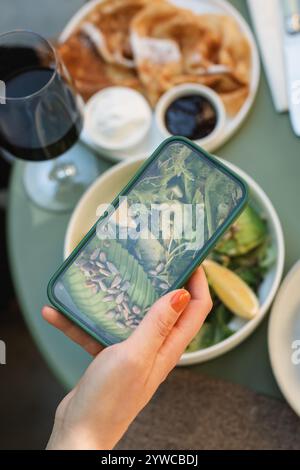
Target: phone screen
148,241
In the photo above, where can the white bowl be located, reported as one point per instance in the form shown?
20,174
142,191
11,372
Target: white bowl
107,186
117,94
213,139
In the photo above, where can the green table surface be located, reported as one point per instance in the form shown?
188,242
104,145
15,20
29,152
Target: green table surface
265,148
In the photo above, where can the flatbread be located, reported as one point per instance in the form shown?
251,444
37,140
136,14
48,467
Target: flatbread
234,100
151,46
173,46
169,42
234,50
89,72
107,26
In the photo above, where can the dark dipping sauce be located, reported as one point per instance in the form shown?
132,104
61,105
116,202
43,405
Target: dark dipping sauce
191,116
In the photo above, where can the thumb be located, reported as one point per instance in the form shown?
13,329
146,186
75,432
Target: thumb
149,336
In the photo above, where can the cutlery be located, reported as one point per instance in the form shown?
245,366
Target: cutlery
291,13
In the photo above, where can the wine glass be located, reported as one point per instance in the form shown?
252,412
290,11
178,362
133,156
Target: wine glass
41,118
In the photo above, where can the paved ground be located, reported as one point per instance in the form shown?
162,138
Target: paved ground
188,412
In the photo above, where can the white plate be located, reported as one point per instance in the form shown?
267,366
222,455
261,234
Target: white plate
108,186
154,138
284,332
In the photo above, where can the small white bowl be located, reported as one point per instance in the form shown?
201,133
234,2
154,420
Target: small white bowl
108,186
212,140
108,96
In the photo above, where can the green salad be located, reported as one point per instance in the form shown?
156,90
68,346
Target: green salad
247,250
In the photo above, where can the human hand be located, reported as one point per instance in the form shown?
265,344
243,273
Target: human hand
123,378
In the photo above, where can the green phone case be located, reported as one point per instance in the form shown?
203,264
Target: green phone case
109,282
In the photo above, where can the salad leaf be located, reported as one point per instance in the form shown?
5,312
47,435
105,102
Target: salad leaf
214,330
247,250
204,339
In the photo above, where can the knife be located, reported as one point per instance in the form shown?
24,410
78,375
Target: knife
291,12
268,26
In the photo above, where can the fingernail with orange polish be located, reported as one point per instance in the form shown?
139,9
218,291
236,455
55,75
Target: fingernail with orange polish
180,300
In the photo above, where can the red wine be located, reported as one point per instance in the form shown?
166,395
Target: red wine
41,118
28,82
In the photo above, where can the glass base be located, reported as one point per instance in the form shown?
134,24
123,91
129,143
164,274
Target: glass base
57,185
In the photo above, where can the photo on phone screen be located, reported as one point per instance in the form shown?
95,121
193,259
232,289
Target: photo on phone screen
149,241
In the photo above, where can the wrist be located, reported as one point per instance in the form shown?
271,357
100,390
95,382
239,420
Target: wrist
63,438
70,443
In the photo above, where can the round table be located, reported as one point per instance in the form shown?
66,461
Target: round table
265,147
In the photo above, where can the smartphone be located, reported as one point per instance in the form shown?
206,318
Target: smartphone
148,241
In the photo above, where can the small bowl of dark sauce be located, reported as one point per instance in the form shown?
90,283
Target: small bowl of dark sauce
192,111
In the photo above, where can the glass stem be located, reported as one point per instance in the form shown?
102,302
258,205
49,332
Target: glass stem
63,172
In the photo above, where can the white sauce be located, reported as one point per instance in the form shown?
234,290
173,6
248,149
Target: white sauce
117,117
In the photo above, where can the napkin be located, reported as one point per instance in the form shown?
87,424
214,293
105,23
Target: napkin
268,25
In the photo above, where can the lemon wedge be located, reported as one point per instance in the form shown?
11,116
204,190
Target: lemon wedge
232,290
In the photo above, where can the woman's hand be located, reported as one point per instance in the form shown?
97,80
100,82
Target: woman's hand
122,378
